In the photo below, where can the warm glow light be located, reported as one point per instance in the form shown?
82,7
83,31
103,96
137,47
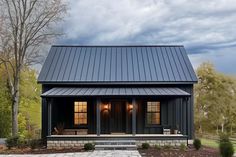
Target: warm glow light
105,106
130,106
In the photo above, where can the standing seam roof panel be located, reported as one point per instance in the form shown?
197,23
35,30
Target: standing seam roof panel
54,64
188,64
94,64
59,64
63,67
47,64
71,71
173,64
182,63
146,64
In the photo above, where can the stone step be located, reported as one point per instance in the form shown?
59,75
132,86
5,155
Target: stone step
115,147
115,142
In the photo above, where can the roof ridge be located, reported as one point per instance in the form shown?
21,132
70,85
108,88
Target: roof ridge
71,45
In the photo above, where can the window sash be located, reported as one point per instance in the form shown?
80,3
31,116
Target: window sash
80,113
153,113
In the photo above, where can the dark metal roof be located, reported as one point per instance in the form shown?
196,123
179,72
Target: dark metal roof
112,64
78,91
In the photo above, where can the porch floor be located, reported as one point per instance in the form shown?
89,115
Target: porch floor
121,135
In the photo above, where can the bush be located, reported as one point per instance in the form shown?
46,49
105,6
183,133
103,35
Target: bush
145,146
167,147
12,141
183,147
88,146
35,143
226,147
197,144
158,147
22,143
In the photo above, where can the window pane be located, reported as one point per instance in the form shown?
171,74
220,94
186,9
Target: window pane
149,106
154,108
149,118
76,108
158,107
76,118
156,118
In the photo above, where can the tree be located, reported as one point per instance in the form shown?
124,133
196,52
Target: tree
26,25
215,96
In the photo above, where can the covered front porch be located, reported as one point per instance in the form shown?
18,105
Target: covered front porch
117,113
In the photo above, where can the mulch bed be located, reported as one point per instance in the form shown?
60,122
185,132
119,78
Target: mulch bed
175,152
43,150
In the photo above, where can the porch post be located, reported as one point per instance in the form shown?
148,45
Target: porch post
186,103
134,116
98,116
49,103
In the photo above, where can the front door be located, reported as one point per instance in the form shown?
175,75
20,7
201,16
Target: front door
118,117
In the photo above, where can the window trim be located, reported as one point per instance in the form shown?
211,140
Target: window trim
80,125
146,113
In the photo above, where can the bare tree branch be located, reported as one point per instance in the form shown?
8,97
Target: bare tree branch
26,26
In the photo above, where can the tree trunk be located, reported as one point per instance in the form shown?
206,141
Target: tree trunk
222,127
15,104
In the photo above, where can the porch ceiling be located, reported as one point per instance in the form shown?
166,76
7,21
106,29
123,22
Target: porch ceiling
78,91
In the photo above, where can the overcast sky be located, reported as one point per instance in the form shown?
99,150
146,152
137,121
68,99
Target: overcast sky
207,28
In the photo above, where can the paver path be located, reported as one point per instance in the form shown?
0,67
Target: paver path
102,153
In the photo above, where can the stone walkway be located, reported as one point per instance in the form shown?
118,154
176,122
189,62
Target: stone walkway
103,153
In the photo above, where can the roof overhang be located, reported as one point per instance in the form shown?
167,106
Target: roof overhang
101,91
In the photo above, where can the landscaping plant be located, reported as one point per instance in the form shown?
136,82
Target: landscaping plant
145,146
197,144
183,147
158,147
12,141
35,143
88,146
226,147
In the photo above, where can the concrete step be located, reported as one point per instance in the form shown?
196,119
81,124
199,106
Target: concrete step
115,147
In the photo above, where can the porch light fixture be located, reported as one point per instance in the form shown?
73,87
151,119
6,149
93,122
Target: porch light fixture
106,106
130,107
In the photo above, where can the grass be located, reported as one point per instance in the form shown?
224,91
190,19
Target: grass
213,143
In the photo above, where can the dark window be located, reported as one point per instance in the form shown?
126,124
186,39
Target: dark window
153,113
80,113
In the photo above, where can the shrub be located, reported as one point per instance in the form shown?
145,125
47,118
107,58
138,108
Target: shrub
167,147
145,146
158,147
12,141
35,143
22,143
88,146
182,147
197,144
226,147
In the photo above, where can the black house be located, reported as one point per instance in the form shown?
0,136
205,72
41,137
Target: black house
94,93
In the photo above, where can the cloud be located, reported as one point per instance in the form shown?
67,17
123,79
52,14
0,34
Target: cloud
204,27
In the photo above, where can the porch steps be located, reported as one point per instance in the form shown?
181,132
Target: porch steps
115,145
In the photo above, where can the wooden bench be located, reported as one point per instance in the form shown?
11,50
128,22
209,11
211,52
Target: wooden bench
75,132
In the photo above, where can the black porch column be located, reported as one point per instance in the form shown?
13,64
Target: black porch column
134,116
186,102
98,116
49,104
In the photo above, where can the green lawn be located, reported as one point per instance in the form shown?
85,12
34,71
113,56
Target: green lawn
213,143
